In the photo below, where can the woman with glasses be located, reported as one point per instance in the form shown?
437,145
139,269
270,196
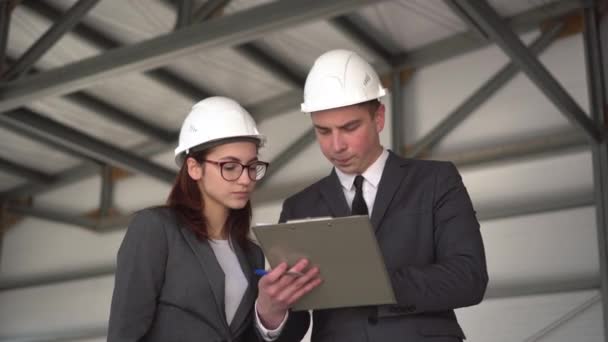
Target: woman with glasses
185,271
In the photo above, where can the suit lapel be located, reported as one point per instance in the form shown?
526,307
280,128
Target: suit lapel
332,192
211,269
392,176
244,309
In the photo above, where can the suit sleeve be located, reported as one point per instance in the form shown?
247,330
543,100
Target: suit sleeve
139,276
458,278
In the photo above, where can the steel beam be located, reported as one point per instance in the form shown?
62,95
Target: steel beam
208,9
24,172
263,58
98,332
81,143
510,43
466,42
479,97
184,13
424,56
101,225
280,104
49,38
467,20
543,146
78,334
290,152
358,30
595,42
541,334
227,31
53,216
260,111
43,140
24,282
112,113
539,288
571,201
65,178
549,145
102,42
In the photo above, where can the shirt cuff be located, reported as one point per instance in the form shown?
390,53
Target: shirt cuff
267,334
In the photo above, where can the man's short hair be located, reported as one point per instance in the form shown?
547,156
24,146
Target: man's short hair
371,106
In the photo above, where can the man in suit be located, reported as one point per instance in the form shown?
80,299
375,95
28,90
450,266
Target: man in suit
421,212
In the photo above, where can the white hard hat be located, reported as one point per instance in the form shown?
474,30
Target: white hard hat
340,78
213,120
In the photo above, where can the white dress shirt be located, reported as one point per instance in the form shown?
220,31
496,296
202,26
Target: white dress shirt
371,179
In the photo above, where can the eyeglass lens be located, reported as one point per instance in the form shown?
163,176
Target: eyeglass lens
232,170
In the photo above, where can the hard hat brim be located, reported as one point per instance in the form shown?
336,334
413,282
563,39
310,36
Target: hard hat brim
180,157
307,108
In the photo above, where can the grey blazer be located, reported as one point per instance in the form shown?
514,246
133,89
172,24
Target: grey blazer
170,287
429,236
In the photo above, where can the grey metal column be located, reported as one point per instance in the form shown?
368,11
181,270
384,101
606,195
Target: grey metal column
184,14
107,191
599,112
397,113
50,37
5,23
509,42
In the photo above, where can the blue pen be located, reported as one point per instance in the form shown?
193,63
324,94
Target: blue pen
262,272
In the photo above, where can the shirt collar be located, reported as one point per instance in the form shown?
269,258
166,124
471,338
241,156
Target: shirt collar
372,175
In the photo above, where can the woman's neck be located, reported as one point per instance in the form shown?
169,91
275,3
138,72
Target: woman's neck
216,220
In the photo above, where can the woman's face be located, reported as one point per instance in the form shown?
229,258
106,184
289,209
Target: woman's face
215,189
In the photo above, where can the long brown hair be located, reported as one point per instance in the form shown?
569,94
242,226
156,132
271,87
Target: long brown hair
186,201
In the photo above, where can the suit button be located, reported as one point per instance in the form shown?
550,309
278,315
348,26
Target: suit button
373,320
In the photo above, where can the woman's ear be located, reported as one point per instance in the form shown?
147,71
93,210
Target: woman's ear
195,169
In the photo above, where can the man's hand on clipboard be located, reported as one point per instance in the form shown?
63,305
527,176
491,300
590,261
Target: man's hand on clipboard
278,290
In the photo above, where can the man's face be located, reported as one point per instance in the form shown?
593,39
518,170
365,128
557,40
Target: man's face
349,136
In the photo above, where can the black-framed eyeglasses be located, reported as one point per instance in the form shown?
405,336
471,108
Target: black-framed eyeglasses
232,170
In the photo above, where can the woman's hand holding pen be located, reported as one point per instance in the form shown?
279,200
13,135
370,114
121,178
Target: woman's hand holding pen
279,290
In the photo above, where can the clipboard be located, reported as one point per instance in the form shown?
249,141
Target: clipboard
346,251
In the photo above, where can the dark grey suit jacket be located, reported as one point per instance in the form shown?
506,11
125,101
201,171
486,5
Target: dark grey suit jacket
170,287
429,236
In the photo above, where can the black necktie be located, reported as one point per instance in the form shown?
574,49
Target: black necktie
359,207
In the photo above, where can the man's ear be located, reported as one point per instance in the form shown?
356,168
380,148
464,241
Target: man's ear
379,118
195,169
